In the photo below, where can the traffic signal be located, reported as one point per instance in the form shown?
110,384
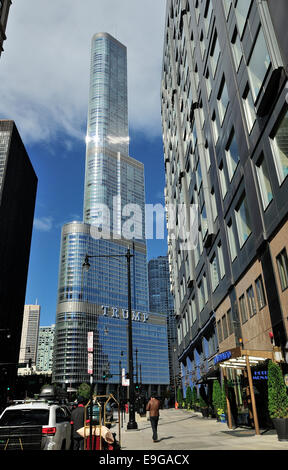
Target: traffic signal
137,386
104,374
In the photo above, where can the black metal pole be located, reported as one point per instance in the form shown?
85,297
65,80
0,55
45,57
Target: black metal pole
131,423
91,411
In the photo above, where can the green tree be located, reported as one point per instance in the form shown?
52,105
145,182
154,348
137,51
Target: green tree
194,396
179,397
188,399
84,391
277,394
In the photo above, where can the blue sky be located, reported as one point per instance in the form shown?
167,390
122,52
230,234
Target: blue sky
45,70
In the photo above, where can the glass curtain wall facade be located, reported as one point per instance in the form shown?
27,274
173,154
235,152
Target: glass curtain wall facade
114,219
161,300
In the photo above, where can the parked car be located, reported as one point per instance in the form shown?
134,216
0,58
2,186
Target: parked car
35,425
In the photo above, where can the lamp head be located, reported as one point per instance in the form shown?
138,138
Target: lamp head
86,264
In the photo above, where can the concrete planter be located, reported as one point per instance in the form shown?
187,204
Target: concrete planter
281,426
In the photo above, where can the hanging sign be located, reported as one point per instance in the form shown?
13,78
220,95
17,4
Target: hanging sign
90,363
90,341
125,382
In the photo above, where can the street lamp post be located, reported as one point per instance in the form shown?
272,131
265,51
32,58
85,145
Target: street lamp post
132,422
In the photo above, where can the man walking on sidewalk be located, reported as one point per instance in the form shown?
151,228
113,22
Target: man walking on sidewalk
153,408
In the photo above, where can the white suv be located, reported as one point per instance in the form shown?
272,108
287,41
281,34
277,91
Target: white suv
35,425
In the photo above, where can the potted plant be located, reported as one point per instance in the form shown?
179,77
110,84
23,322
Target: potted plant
278,401
216,398
204,407
203,402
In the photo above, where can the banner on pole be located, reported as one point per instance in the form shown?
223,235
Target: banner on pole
90,363
90,341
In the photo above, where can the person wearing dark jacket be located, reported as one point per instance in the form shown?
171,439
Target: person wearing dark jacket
77,422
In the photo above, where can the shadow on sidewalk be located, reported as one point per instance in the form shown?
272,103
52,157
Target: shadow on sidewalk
164,438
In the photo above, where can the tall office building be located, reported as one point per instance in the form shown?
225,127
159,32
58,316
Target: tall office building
18,185
161,300
30,333
4,11
224,114
45,348
97,300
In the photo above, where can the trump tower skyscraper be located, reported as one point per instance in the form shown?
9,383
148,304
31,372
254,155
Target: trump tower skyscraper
113,219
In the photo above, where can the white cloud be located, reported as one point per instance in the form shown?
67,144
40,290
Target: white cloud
43,224
44,69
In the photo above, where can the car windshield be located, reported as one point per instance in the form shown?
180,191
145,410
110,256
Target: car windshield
25,417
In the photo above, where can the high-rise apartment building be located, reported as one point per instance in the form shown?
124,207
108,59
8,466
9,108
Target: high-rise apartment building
97,300
161,300
4,11
30,333
18,185
45,348
225,133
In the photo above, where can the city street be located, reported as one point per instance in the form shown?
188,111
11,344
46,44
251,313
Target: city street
187,430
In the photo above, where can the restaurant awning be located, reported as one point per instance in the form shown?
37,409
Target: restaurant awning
238,358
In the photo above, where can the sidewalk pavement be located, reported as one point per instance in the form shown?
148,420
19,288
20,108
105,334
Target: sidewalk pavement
187,430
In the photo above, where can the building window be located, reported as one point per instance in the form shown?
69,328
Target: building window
231,240
260,292
208,15
215,54
236,49
204,221
243,311
194,312
282,263
243,221
221,260
227,6
223,100
249,108
241,10
264,181
215,128
202,45
222,178
205,289
280,149
201,296
213,205
224,326
229,322
259,64
232,155
251,301
219,331
208,84
214,272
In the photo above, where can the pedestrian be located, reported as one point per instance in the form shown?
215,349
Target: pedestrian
166,403
153,408
77,422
